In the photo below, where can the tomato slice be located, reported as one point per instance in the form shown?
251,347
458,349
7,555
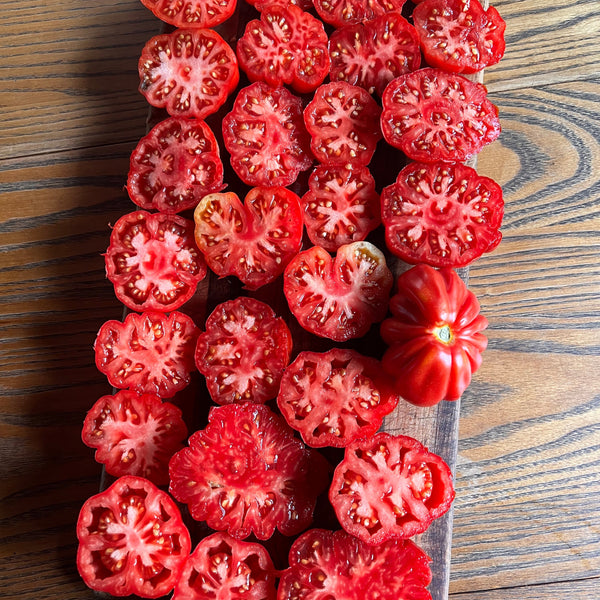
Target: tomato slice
149,353
132,540
247,473
434,336
222,567
389,487
192,13
189,72
266,137
343,122
460,36
134,434
287,45
435,116
243,351
327,564
262,4
441,214
175,166
373,53
153,261
253,241
335,397
341,206
347,12
338,298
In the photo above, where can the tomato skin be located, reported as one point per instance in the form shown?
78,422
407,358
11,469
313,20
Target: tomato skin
348,12
434,336
443,215
121,529
389,487
192,13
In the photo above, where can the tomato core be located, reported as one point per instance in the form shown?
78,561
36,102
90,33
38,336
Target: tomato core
444,334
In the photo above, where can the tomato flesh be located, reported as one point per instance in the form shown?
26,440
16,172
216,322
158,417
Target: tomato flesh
346,12
192,13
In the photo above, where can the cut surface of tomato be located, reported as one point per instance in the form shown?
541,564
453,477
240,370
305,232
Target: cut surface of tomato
189,72
247,473
132,540
286,46
175,166
153,261
134,434
443,215
372,53
243,351
435,116
266,137
192,13
327,564
434,336
338,298
346,12
150,352
459,35
253,241
389,487
343,122
335,397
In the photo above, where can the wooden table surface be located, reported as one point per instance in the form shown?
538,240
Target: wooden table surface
527,511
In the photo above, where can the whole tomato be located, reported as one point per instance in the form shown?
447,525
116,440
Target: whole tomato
434,336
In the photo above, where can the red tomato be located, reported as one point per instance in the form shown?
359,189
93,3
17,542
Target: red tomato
175,166
253,241
441,214
435,116
192,13
338,298
222,567
132,540
135,434
266,137
347,12
341,206
149,353
153,261
262,4
389,487
243,351
246,473
335,397
372,53
347,568
434,336
343,122
287,45
459,35
189,72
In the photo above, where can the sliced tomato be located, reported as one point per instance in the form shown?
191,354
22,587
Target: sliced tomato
335,397
341,206
435,116
247,473
243,351
175,166
328,564
460,35
266,137
253,241
153,261
389,487
192,13
262,4
347,12
434,336
149,353
338,298
134,434
222,567
189,72
343,122
286,46
443,215
132,540
372,53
